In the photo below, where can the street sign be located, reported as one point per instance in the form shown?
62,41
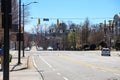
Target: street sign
45,19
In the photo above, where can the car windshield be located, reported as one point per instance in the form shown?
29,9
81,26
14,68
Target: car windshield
106,49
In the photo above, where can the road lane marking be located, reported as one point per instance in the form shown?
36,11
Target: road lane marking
53,69
45,62
34,63
116,74
42,78
88,65
65,78
58,74
103,70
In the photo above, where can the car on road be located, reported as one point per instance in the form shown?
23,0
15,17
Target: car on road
50,48
40,48
12,49
27,49
105,52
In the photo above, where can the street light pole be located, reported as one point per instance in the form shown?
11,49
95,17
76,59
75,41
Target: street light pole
23,30
6,25
24,24
19,50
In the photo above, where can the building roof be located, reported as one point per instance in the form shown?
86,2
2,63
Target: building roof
116,16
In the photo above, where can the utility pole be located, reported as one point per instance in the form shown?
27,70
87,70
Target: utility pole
23,30
22,39
6,24
19,48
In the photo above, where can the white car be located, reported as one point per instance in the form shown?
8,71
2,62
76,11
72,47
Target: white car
105,52
27,49
40,48
13,49
50,48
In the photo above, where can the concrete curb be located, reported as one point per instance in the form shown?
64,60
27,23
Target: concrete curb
30,64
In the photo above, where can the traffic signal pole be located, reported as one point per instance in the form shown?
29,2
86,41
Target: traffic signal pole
19,48
6,24
23,31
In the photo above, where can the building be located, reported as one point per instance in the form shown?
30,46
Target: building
117,31
117,27
14,28
1,30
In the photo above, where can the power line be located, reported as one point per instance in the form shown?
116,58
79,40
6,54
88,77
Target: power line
71,18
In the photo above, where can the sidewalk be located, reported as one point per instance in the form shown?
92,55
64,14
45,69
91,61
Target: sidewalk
24,71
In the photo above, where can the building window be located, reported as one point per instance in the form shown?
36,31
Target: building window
119,23
116,23
119,30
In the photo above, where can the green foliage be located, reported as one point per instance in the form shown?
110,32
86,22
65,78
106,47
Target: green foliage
70,35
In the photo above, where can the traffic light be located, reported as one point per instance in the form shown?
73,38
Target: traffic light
45,19
57,22
38,20
21,30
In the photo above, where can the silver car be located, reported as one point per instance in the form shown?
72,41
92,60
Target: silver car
27,49
40,48
105,52
50,48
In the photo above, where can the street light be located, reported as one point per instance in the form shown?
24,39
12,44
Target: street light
23,22
19,50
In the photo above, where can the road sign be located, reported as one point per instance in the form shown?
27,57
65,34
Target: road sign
45,19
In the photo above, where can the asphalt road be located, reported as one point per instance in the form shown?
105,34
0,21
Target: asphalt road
77,65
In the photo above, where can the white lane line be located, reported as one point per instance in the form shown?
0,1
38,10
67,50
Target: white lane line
65,78
53,69
116,74
34,63
103,70
46,62
58,74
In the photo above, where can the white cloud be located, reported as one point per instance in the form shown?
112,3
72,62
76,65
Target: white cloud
28,28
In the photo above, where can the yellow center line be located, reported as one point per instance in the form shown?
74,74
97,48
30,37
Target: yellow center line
88,65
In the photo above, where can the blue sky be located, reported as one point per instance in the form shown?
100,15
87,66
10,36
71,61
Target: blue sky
65,10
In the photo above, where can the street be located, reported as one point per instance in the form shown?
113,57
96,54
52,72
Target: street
76,65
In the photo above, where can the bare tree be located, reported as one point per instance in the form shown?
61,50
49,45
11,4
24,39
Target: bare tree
26,14
14,12
78,36
85,31
96,34
37,32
